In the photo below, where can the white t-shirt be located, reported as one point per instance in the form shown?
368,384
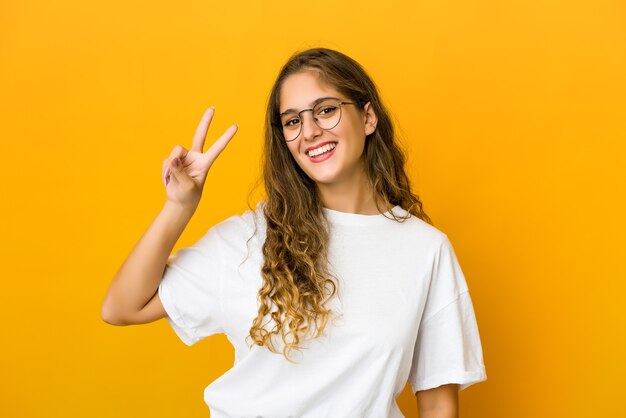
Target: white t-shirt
405,315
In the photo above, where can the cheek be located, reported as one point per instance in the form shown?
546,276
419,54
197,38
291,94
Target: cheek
293,150
355,139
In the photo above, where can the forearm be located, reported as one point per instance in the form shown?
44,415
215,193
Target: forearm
139,276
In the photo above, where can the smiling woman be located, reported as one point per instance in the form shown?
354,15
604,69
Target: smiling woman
337,289
333,132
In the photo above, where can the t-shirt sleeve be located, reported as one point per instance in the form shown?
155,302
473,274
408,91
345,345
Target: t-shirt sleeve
190,289
448,348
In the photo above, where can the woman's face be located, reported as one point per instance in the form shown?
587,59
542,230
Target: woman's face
343,164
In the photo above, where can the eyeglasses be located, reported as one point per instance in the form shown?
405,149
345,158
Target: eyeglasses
326,115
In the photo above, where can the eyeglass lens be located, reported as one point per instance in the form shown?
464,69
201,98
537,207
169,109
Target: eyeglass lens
326,115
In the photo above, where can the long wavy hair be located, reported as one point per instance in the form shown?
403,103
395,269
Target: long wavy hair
297,281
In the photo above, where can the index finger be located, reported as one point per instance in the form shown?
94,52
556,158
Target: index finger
202,129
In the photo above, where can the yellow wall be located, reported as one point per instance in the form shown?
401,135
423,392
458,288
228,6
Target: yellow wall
513,113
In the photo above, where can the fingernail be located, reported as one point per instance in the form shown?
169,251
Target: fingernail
176,162
213,107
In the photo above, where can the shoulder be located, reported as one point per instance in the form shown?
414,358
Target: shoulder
242,226
419,231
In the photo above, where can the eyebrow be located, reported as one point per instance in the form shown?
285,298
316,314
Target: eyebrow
312,104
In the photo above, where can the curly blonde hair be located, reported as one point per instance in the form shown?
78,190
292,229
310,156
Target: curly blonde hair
297,281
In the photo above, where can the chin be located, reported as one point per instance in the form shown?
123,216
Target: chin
325,180
323,177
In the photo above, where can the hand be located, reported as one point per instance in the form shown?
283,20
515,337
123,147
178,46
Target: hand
184,183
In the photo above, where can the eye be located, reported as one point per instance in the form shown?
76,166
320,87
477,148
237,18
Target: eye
326,110
289,122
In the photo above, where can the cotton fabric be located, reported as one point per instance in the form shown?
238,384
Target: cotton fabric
405,314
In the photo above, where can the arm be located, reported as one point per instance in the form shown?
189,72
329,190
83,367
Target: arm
439,402
132,297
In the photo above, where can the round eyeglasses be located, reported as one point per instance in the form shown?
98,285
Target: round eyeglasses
326,114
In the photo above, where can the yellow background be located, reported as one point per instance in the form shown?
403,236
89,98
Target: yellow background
513,115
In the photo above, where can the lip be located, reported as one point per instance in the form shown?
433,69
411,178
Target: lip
324,157
306,151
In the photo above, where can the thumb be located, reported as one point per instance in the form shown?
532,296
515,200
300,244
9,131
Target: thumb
179,172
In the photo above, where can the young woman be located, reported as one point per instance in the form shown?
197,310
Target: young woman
337,289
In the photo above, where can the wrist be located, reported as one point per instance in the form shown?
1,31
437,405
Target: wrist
177,210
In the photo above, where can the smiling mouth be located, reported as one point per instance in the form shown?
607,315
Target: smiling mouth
321,150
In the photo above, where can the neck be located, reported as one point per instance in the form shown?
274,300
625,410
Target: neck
356,196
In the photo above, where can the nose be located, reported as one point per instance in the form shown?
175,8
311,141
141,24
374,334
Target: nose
310,130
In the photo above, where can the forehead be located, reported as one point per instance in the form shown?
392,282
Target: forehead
299,90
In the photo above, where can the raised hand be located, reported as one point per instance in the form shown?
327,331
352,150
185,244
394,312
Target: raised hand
184,172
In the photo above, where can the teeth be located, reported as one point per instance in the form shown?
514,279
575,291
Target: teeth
321,150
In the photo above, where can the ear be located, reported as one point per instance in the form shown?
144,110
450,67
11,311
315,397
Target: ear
369,118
